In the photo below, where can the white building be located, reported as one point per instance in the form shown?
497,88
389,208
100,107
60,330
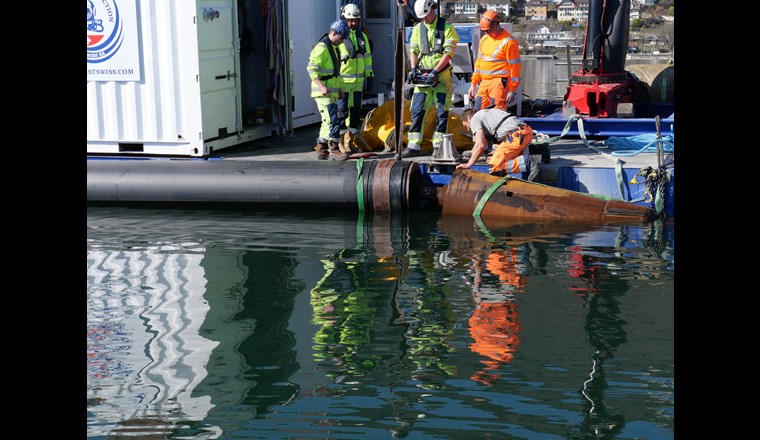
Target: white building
572,10
470,8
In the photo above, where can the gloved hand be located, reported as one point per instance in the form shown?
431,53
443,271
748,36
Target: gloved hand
408,91
368,83
431,78
412,73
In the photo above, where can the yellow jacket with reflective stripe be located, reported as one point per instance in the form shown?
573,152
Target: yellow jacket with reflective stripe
321,65
498,58
450,41
359,67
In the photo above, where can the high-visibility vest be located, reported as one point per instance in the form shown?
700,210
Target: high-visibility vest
447,42
356,57
323,64
498,57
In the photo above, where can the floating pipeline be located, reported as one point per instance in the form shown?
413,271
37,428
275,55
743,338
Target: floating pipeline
386,185
375,185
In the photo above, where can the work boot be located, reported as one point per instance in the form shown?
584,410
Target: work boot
322,152
542,149
335,153
345,143
410,153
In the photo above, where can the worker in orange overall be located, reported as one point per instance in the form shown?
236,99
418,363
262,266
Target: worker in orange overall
498,66
510,135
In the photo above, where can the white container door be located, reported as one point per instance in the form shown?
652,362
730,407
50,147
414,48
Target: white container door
380,18
308,20
219,79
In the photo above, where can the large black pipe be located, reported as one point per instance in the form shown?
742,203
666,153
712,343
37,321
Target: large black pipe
606,42
592,45
616,44
372,185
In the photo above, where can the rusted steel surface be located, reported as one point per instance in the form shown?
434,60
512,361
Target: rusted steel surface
467,232
524,200
381,198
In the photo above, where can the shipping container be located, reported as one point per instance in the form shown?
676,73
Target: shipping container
187,78
191,77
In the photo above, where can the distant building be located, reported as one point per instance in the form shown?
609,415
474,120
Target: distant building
577,10
636,7
572,10
536,10
502,7
549,36
466,8
471,8
536,35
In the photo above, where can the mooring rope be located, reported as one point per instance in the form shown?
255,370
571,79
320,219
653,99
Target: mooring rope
642,143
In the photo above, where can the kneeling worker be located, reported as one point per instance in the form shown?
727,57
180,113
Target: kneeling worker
511,136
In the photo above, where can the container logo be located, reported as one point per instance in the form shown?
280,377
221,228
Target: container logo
105,31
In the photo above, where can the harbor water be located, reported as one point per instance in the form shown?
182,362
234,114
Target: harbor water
255,324
547,78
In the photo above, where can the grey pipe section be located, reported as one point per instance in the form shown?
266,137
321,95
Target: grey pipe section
384,186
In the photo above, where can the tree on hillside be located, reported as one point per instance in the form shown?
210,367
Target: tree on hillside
666,35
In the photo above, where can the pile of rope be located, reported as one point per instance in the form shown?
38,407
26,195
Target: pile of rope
643,143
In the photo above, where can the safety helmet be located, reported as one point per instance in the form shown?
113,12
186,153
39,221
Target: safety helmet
351,11
489,20
423,7
341,28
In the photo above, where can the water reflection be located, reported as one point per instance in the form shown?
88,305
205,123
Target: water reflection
605,331
345,305
497,277
545,78
221,324
145,351
548,78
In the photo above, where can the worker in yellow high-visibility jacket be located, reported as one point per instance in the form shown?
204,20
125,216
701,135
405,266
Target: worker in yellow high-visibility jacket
431,48
326,89
357,73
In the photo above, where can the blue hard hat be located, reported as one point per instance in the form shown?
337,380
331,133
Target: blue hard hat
341,28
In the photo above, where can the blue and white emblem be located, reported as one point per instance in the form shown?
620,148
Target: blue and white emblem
105,31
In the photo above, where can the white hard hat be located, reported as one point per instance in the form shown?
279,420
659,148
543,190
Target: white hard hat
423,7
351,11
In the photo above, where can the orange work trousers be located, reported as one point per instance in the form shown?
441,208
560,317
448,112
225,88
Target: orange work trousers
492,91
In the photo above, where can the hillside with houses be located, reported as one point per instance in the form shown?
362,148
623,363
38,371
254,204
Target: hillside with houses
549,26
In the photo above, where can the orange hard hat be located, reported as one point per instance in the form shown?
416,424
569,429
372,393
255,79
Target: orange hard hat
489,20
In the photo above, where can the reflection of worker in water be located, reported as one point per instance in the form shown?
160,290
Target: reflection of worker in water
345,309
494,326
426,312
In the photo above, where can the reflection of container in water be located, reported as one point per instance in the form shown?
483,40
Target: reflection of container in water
259,115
